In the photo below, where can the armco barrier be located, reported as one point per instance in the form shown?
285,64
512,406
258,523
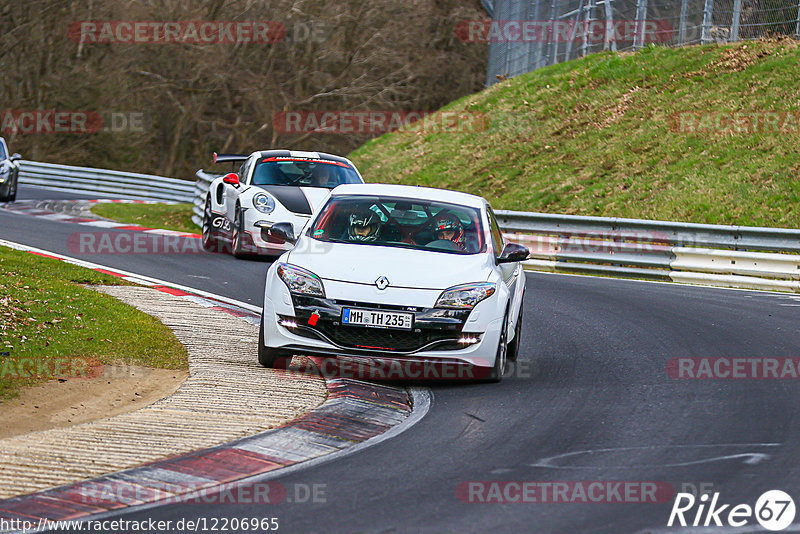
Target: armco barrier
201,186
105,183
728,256
733,256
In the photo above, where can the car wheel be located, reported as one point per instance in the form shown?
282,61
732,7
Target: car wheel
238,230
268,357
209,240
500,360
513,348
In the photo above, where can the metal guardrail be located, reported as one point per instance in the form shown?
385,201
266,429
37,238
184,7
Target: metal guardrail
730,256
734,256
661,232
105,183
201,186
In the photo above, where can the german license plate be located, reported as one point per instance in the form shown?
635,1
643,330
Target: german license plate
377,318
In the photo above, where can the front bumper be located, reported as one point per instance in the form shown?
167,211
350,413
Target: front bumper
435,335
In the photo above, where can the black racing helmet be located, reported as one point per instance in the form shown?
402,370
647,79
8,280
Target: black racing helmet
364,225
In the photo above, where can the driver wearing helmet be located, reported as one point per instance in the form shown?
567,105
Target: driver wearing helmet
448,227
321,175
364,225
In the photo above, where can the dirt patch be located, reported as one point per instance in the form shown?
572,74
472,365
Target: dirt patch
621,108
60,404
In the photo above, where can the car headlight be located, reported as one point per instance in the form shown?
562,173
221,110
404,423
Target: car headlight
263,203
299,280
465,296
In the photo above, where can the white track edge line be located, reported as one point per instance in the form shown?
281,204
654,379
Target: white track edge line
90,265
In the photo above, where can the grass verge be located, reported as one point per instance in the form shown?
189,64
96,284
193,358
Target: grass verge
52,326
603,136
165,216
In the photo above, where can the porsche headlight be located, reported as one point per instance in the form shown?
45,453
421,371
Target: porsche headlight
465,296
299,280
263,203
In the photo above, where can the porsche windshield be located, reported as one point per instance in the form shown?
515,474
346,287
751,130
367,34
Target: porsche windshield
406,223
303,172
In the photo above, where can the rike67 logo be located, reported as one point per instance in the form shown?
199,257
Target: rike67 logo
774,510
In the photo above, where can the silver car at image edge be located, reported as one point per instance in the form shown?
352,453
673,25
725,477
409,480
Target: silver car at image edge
9,173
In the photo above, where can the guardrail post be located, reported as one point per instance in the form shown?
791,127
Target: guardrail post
737,15
641,18
708,13
682,27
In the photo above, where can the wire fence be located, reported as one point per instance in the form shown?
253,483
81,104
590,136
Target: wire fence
528,34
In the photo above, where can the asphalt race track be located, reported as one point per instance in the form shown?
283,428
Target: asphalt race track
592,402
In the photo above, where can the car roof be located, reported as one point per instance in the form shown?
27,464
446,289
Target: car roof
302,154
411,192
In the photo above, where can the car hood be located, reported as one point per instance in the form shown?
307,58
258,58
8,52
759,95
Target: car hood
364,264
300,200
316,196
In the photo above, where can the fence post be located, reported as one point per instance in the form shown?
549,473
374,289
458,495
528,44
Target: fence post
552,33
641,18
682,28
537,44
737,15
797,28
588,19
611,34
574,32
708,12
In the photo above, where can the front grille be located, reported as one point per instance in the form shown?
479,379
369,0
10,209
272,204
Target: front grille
394,340
433,328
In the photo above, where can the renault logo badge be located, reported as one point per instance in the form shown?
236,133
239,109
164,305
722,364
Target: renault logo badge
382,282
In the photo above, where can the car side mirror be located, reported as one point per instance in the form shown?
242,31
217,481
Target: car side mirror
281,232
513,252
15,157
231,178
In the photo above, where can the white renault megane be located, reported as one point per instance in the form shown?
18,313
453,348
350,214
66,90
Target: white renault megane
408,274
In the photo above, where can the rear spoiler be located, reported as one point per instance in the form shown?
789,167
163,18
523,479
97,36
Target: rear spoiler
221,158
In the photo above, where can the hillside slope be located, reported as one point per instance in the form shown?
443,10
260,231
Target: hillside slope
600,136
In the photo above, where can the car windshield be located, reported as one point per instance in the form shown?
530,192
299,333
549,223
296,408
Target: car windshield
303,172
405,223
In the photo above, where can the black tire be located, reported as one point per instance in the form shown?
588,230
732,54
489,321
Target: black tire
236,235
210,241
513,349
501,358
268,357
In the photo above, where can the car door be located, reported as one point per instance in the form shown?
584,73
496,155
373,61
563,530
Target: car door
509,271
231,193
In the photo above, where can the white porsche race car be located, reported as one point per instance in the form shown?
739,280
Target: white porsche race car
271,186
409,275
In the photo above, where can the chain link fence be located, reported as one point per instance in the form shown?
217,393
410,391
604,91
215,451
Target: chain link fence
528,34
